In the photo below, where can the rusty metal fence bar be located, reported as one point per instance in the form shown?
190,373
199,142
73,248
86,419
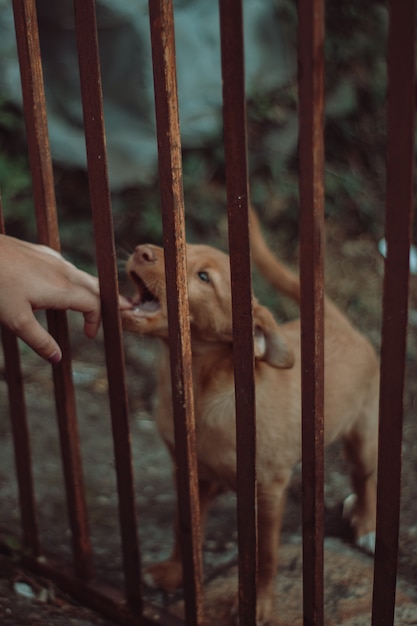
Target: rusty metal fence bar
311,182
20,433
399,203
90,78
44,197
235,148
21,440
171,190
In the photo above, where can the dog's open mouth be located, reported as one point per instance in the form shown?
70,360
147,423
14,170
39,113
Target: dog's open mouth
145,301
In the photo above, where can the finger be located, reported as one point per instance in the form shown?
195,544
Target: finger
92,306
92,320
83,299
83,279
124,303
32,333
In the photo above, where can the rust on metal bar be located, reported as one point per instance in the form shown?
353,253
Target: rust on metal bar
34,108
21,437
43,189
235,142
399,203
171,189
70,448
90,78
311,159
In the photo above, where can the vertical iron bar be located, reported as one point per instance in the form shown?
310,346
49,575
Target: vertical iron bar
311,158
235,142
44,196
34,108
399,202
20,430
90,78
21,441
170,176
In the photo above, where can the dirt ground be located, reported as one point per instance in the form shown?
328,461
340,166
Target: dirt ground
354,278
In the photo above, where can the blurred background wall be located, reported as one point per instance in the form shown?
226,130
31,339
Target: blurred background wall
127,76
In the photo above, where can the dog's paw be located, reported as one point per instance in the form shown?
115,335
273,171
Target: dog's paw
367,542
166,575
364,540
264,608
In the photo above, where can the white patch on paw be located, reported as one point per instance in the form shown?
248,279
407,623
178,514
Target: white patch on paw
367,542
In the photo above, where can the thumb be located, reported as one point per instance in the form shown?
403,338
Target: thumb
35,335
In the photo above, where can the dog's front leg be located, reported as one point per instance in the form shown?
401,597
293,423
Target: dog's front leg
271,502
168,574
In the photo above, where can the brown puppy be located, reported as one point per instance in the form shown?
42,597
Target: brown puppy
351,394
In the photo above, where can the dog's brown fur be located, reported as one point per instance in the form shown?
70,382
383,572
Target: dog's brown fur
351,394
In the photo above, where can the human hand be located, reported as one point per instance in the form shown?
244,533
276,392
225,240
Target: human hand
34,277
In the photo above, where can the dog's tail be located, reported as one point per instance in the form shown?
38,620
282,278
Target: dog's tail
277,274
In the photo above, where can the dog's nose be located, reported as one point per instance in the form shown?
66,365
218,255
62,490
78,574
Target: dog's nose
145,254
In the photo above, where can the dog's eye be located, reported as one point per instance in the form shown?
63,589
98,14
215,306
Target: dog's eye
204,277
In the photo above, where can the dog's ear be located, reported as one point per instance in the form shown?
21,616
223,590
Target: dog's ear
269,344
